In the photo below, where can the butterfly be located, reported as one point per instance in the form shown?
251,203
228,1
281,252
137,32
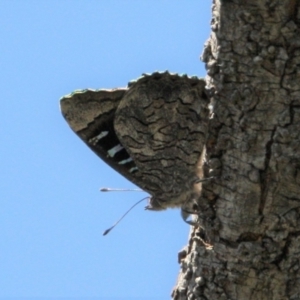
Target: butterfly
152,132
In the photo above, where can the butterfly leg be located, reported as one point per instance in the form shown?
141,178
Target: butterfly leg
186,212
204,179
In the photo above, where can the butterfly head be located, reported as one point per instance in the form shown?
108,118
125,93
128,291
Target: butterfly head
188,207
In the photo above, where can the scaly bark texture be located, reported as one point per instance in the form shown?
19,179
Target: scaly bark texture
249,246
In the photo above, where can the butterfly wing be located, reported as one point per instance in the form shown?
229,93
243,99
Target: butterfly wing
90,114
152,132
162,121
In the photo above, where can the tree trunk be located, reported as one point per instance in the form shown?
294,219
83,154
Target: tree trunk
248,245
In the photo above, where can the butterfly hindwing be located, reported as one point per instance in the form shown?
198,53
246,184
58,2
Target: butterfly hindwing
162,121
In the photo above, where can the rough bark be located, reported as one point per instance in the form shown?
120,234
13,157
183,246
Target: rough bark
249,243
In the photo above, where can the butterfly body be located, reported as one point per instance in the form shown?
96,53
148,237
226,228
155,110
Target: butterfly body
152,132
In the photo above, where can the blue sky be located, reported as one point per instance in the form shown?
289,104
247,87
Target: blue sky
52,214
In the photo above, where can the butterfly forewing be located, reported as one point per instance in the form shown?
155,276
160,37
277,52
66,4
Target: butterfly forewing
90,114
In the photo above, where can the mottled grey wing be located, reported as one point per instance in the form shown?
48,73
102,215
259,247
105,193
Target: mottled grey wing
162,121
90,114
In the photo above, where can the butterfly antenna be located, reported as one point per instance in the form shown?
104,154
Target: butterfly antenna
120,190
109,229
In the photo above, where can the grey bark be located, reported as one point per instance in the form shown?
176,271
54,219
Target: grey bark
248,246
